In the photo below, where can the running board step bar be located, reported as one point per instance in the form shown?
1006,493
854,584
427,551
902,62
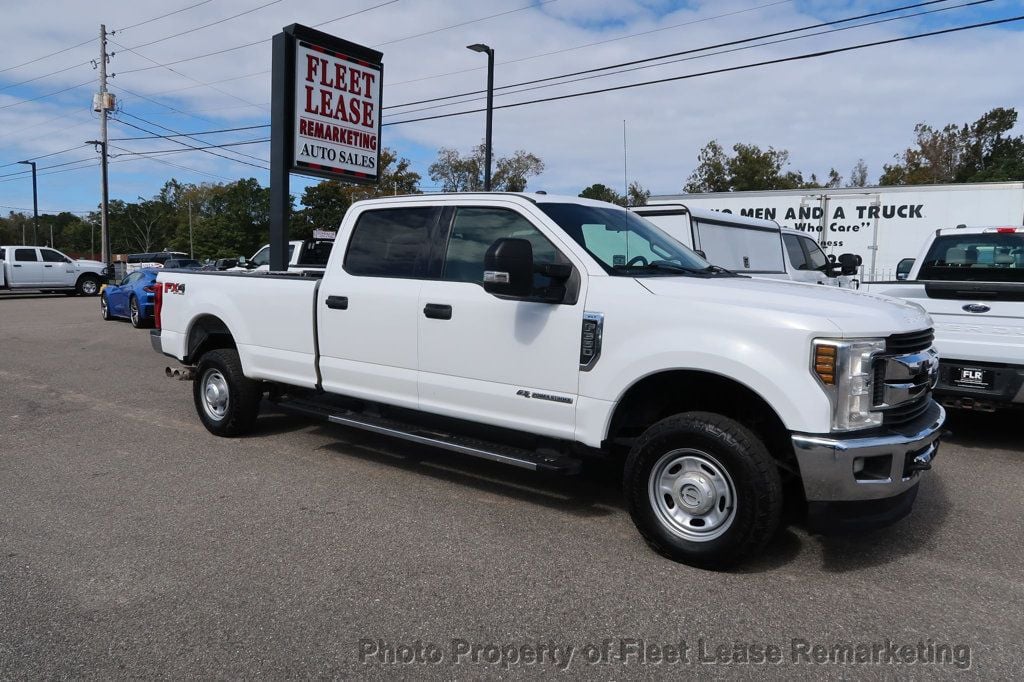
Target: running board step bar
505,454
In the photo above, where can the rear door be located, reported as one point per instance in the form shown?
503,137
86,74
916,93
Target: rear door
509,363
368,305
26,268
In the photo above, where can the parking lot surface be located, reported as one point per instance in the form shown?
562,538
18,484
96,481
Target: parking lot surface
133,543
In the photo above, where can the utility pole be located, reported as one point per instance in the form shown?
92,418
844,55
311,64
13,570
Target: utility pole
102,103
52,245
191,250
484,49
35,203
625,175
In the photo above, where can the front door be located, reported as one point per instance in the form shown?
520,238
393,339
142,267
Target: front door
26,268
508,363
57,271
367,316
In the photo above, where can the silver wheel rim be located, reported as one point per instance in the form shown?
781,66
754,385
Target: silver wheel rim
103,307
692,495
134,311
89,287
215,394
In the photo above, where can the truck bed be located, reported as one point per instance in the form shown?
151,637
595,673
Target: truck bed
272,317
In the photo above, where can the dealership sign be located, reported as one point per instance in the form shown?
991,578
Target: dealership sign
332,92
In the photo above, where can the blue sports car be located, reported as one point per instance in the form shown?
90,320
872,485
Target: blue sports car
132,298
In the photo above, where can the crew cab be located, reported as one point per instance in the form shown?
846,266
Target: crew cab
538,330
39,268
971,281
752,246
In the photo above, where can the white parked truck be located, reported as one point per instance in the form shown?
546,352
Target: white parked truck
751,246
538,330
882,225
39,268
303,255
971,281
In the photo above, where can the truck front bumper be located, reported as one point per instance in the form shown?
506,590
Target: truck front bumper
860,481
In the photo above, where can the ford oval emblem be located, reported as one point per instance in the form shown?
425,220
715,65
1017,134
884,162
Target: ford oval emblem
977,308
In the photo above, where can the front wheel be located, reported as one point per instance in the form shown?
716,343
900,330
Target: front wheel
88,285
703,490
105,309
227,401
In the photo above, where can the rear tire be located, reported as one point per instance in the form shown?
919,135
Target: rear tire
703,490
88,285
134,314
226,400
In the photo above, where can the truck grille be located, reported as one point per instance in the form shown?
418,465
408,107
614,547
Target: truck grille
911,342
903,377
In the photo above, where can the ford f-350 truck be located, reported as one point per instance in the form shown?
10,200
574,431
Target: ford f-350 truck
538,330
971,281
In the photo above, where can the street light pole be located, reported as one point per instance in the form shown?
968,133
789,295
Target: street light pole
35,204
480,47
104,227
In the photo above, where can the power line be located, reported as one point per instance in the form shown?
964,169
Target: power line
465,23
175,165
255,42
741,67
42,156
162,16
599,42
200,28
49,94
202,132
676,54
190,136
156,152
50,211
693,57
207,150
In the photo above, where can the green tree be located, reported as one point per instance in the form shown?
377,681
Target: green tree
325,204
859,175
982,151
602,192
637,194
748,168
458,173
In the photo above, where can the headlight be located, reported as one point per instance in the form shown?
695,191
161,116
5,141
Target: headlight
844,370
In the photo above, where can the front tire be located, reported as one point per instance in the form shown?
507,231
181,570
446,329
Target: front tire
88,285
105,309
703,490
227,401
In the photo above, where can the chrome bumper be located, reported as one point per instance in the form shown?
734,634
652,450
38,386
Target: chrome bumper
827,462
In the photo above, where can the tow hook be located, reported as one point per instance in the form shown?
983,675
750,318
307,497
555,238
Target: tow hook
181,373
922,462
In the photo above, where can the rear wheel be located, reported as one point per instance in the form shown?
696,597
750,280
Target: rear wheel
703,489
134,314
88,285
227,401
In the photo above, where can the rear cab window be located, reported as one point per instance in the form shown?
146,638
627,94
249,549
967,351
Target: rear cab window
986,257
26,255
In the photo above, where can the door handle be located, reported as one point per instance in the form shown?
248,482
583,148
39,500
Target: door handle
47,266
337,302
438,311
16,265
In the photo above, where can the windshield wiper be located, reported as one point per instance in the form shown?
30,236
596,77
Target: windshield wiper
663,266
719,270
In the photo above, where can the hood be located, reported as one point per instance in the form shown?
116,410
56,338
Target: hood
88,263
853,313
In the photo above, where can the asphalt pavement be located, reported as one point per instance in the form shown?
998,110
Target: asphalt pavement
135,544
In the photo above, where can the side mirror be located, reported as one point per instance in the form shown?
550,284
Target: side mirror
508,268
849,262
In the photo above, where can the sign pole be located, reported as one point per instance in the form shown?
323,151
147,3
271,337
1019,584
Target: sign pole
280,142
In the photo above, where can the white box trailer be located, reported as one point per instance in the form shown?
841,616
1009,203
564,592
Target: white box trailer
882,225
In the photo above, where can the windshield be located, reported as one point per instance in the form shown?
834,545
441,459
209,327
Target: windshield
988,257
262,257
624,243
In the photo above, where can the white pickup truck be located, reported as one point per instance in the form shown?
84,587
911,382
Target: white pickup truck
752,246
971,281
38,268
538,330
304,255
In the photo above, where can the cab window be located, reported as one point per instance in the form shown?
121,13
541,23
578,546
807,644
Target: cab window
474,230
25,255
795,252
391,242
51,256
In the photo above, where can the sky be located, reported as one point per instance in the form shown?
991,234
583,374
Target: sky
827,111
